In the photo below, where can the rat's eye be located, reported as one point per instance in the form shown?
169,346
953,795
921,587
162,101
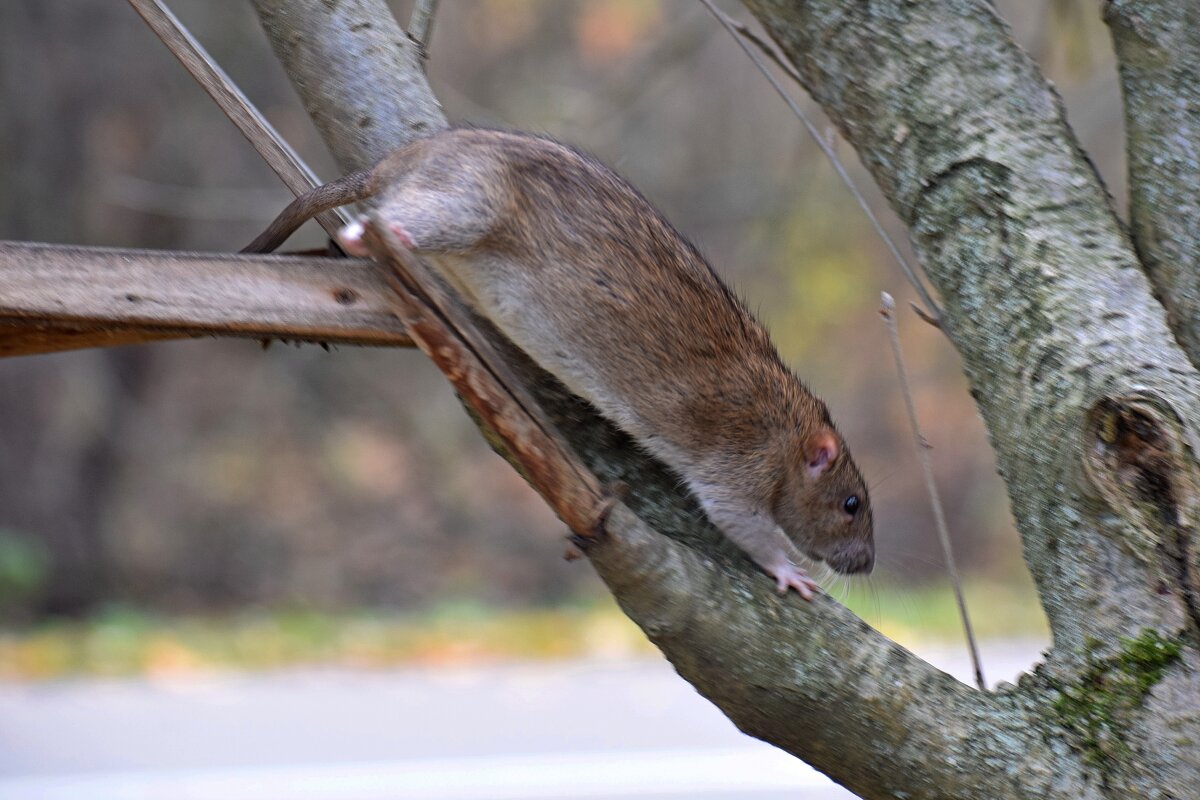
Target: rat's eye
851,504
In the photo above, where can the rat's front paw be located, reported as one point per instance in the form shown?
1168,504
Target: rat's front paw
789,576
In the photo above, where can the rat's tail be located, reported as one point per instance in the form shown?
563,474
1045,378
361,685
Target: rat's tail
349,189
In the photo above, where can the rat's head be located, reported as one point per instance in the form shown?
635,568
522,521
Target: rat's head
822,504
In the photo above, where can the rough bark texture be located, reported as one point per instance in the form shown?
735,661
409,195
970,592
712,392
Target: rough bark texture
1158,49
818,682
1044,296
358,74
1089,403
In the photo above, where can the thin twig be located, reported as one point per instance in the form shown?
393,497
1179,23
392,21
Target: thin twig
740,34
278,154
742,29
887,309
420,24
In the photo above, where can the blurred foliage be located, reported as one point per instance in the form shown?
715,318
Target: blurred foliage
206,477
123,642
23,568
929,612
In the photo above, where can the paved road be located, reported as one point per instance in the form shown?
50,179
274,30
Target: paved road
577,730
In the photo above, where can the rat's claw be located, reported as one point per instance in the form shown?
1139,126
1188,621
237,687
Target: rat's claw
789,576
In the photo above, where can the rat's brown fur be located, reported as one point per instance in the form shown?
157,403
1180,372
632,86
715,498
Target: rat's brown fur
576,267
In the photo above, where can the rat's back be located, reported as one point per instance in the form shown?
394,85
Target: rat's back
582,273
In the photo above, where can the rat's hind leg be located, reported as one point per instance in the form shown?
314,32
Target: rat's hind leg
428,220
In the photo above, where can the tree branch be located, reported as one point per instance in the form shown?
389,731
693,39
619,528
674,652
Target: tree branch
420,23
736,641
1042,292
1158,49
816,681
445,332
810,677
357,73
55,297
738,644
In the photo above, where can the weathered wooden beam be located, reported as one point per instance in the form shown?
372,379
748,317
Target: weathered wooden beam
56,297
20,337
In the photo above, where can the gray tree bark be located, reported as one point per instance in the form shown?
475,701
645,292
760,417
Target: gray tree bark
1156,44
1090,404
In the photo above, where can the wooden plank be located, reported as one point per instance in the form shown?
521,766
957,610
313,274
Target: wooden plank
21,338
56,297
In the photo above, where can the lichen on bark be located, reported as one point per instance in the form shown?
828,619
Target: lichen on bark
1096,708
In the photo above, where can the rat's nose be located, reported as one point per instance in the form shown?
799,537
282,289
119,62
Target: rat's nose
851,557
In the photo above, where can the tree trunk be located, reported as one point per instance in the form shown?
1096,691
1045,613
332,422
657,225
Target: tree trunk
1157,44
1089,402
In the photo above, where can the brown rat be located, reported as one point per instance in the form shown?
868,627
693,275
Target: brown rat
579,271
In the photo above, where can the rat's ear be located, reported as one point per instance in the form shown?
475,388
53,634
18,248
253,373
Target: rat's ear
820,451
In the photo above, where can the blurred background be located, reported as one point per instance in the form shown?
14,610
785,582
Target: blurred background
189,506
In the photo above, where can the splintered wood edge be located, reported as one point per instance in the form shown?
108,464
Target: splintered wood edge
485,383
59,297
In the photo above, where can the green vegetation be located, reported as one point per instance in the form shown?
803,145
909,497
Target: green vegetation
1110,689
908,614
122,641
23,567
